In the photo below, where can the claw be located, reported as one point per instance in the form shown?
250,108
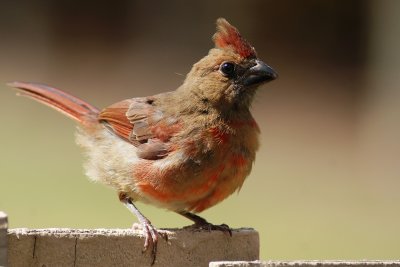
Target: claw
212,227
151,237
223,227
201,223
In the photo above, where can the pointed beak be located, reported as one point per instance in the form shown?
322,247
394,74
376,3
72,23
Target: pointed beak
259,73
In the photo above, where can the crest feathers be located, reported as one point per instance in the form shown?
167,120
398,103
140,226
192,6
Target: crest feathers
228,36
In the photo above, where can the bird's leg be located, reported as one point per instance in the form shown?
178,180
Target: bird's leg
202,223
150,231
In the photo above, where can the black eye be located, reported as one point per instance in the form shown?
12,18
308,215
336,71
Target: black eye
227,68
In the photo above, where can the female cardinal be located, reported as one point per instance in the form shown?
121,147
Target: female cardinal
184,150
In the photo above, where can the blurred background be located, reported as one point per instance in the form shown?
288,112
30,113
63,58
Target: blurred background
326,181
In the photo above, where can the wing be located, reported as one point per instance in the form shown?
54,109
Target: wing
114,118
141,122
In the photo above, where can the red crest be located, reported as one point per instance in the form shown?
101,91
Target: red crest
228,36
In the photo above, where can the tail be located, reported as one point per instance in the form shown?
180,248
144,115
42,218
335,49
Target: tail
69,105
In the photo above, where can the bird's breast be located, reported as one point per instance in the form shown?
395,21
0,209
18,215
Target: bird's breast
201,171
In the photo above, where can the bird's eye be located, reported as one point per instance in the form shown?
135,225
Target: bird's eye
227,68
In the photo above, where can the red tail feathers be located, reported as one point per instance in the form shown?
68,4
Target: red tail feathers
69,105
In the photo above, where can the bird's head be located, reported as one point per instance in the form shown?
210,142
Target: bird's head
231,72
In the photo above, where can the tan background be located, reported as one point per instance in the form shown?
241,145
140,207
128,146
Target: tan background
326,181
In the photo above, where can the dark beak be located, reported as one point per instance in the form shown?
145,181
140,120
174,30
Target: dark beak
259,73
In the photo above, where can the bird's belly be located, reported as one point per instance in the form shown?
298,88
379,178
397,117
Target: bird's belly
175,182
231,179
172,185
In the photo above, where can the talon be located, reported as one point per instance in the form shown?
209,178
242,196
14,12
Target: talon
225,228
151,236
211,227
201,223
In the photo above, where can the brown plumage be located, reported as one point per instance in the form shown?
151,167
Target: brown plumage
184,150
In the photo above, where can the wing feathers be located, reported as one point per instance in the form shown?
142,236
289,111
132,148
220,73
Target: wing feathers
143,124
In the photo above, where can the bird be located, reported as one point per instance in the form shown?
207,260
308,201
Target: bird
184,150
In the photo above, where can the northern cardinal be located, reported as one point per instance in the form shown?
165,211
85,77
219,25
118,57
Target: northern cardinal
184,150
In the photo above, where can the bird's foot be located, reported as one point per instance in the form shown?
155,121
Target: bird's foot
202,224
151,238
150,232
210,227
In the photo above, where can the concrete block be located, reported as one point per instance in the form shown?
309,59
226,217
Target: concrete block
123,247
